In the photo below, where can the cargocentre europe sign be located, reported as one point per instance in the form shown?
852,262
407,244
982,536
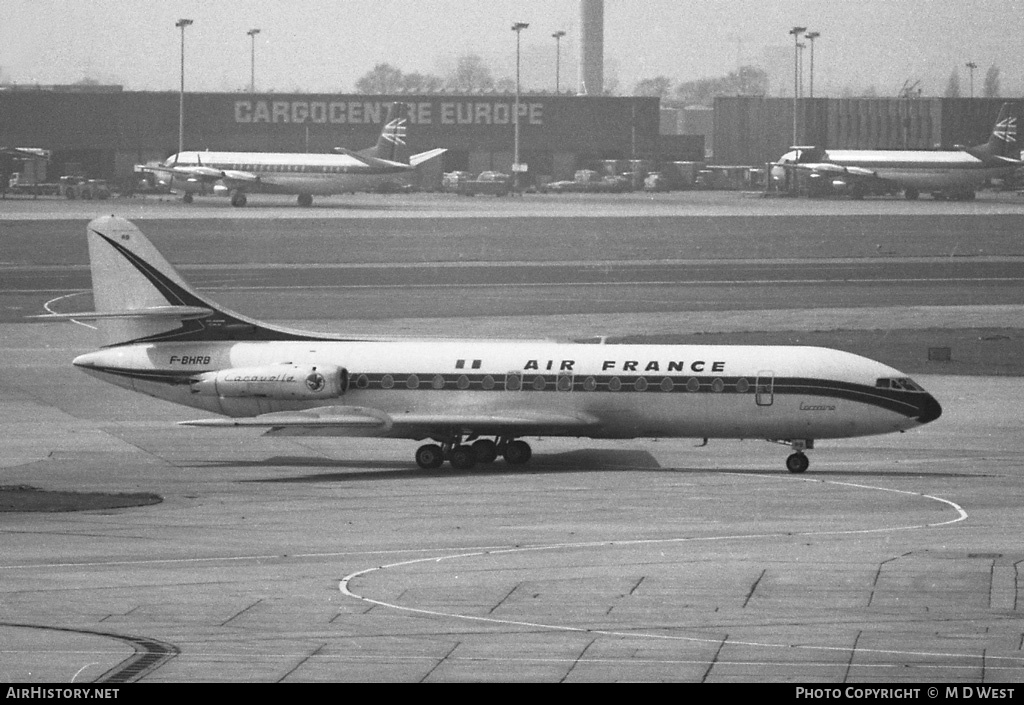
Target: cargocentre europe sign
363,112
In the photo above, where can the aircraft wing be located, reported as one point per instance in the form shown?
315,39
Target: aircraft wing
356,420
238,177
205,174
418,159
830,169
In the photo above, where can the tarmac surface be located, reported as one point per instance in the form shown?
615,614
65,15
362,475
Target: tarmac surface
895,559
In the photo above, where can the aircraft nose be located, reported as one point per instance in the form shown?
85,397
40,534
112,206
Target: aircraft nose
86,360
928,409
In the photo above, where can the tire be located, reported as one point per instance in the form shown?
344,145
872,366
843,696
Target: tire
462,457
517,452
486,451
429,457
797,463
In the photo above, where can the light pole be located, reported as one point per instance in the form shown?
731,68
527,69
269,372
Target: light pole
796,32
252,62
181,94
970,67
518,27
812,36
558,55
800,81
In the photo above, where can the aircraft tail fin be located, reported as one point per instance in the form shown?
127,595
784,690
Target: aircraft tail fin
138,296
392,145
1002,143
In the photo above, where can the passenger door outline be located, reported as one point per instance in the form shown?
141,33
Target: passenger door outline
764,388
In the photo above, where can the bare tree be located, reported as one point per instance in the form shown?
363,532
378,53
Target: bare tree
748,80
991,89
422,83
471,75
953,86
382,79
505,85
385,79
657,87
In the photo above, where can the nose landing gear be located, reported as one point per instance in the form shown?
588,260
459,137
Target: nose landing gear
798,462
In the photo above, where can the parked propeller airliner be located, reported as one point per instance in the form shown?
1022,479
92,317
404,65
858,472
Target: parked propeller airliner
946,174
473,400
303,174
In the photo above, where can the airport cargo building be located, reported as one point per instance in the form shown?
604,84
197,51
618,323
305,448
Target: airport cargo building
105,133
751,130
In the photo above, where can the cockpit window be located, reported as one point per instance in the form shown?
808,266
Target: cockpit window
902,384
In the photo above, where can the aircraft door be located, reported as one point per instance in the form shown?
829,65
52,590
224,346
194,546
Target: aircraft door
764,388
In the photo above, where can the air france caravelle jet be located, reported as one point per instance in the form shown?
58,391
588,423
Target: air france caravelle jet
473,400
303,174
946,174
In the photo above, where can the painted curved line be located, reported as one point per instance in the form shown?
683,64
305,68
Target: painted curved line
344,583
150,654
68,296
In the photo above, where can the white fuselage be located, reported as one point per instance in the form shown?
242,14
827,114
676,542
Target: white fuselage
630,391
917,169
286,173
920,169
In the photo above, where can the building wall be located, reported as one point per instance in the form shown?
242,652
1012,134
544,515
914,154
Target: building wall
754,130
121,129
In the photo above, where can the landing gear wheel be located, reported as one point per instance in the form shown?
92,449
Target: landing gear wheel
797,463
238,200
305,200
187,198
462,457
517,452
486,451
429,457
911,194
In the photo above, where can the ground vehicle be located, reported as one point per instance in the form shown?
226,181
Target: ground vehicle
80,187
19,185
494,183
450,181
589,181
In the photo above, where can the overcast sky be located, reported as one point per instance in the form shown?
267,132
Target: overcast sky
326,46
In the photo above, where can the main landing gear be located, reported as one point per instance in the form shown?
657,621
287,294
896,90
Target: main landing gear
238,199
466,457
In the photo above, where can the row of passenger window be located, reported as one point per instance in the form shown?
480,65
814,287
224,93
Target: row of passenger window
563,383
285,168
